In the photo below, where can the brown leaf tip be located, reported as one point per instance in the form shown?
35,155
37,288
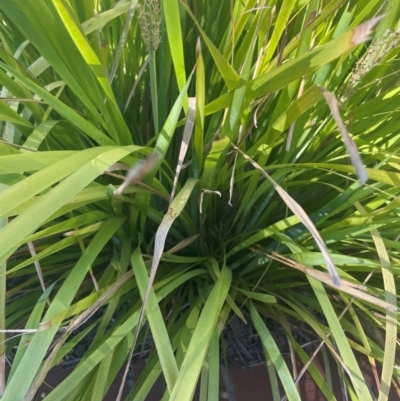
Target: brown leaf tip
198,47
361,32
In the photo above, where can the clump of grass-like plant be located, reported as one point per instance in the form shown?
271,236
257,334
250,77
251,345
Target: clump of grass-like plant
177,165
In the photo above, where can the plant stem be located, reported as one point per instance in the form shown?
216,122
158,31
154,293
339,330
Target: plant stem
153,88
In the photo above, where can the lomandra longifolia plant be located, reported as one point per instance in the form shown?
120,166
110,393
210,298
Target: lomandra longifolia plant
170,168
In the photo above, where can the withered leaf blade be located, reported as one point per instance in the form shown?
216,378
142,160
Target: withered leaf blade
138,171
303,217
187,134
348,142
361,32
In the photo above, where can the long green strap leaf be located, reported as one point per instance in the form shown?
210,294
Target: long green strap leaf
30,363
21,162
299,66
175,40
174,211
83,46
201,338
275,355
30,219
89,129
338,333
229,75
45,178
125,329
158,329
391,315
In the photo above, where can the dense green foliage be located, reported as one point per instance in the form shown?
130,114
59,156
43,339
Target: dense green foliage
251,202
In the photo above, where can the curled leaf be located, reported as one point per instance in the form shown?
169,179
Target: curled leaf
207,191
